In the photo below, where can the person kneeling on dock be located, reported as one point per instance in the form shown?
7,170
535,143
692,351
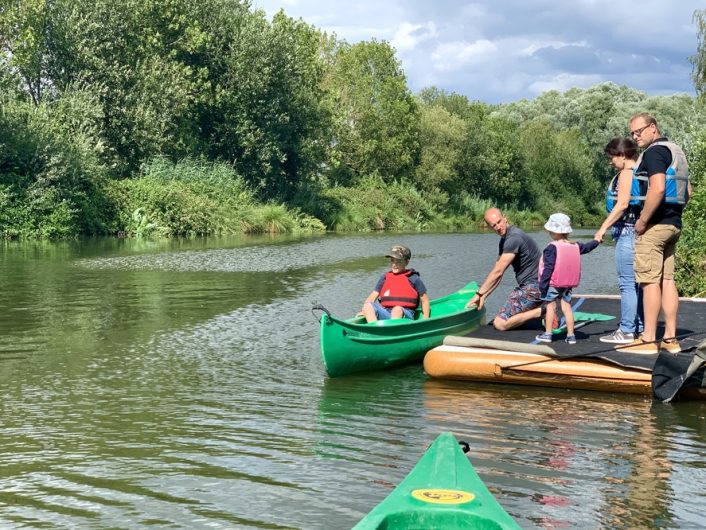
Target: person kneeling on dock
519,250
560,272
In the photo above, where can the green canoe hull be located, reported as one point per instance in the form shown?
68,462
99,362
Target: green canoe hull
349,346
442,492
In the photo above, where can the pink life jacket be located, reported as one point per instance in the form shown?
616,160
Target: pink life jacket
567,269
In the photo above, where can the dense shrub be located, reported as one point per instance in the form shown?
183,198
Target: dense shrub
197,198
375,205
691,250
51,172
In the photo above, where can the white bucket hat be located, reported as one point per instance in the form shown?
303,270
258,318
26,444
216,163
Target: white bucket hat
559,223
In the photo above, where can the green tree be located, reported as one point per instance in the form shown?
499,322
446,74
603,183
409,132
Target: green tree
270,119
51,170
375,117
149,60
441,138
691,251
698,60
455,104
24,27
491,163
558,169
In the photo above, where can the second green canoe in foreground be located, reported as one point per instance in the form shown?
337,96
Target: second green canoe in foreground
442,492
353,345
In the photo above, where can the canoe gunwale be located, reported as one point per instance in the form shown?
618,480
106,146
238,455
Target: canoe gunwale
442,469
349,346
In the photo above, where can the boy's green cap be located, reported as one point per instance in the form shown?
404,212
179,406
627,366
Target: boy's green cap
399,252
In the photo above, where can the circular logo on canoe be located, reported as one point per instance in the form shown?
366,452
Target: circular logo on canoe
438,496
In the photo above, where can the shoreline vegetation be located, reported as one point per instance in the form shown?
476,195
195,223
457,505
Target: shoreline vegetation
202,117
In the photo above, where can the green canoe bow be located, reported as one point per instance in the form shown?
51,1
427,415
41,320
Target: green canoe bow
442,492
353,345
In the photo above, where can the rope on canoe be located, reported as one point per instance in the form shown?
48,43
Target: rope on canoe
465,447
319,307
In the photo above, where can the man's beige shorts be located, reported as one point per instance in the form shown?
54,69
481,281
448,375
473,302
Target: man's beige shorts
654,253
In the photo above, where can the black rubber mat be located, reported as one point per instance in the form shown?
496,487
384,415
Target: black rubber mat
691,330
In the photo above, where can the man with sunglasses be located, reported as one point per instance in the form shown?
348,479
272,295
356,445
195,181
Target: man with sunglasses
519,250
658,229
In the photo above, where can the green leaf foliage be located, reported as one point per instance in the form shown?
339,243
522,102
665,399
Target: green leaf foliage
441,136
269,118
375,118
196,198
51,173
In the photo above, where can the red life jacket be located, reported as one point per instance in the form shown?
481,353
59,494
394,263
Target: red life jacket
567,268
397,290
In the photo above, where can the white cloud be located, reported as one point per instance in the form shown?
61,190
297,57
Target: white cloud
452,56
505,50
408,36
562,82
533,47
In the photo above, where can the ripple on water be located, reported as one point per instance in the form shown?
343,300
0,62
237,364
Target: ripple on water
167,396
262,258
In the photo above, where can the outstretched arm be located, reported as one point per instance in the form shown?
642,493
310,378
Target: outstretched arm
492,280
585,248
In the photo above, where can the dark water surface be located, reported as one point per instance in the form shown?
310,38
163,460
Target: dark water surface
179,385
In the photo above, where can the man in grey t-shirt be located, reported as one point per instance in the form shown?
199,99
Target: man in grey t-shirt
519,250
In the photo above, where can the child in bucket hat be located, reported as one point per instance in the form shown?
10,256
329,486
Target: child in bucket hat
559,223
398,292
560,272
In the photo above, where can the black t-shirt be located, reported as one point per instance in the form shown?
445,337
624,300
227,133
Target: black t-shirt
656,160
527,254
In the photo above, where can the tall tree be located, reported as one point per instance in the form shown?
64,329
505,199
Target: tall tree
491,165
24,30
150,61
441,135
271,121
375,117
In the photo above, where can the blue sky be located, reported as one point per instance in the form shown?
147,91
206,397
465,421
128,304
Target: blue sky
505,50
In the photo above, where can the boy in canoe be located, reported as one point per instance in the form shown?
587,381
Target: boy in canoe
398,292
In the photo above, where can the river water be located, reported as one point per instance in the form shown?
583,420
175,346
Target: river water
179,384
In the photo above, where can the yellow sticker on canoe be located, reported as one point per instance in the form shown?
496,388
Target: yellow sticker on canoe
437,496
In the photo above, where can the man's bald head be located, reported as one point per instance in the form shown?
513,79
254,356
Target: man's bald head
492,215
495,219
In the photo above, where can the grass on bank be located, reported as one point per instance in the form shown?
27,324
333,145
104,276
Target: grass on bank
192,198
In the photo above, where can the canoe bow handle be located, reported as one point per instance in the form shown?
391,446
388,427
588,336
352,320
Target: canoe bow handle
319,307
465,447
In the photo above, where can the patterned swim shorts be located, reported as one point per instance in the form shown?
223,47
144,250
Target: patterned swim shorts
521,299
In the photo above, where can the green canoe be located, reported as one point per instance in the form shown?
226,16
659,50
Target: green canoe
442,492
353,345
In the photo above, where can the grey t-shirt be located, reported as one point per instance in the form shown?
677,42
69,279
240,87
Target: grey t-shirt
527,254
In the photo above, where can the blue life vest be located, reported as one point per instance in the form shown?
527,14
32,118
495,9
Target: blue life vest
638,190
676,184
